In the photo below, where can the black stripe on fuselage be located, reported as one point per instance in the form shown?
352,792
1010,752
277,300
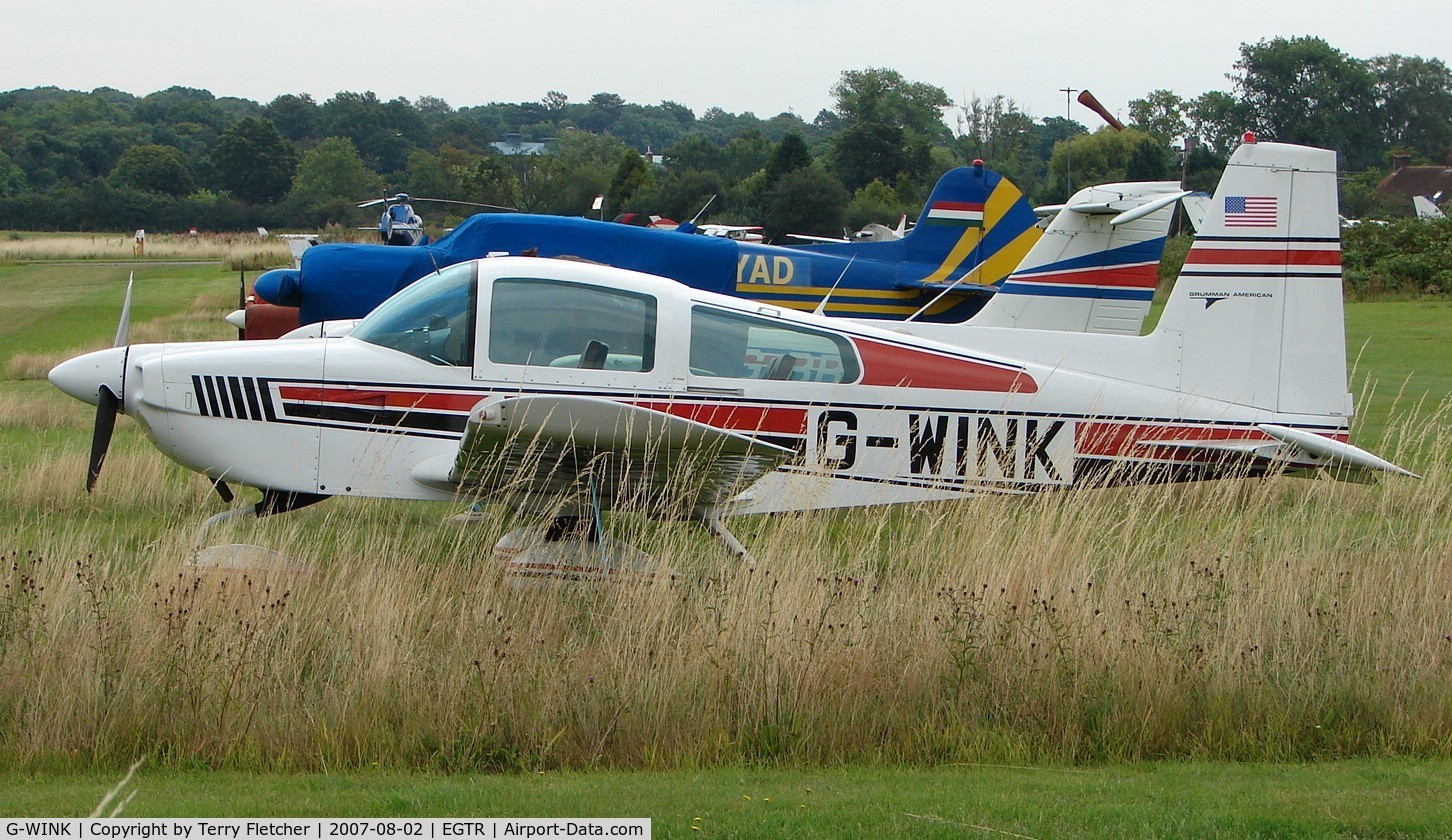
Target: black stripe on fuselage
388,419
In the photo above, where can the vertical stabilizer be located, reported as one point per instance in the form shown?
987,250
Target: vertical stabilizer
1257,309
976,222
1095,268
1426,208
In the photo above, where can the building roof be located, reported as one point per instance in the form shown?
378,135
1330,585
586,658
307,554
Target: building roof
1406,181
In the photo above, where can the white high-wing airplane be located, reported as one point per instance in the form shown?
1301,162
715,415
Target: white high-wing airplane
567,388
741,233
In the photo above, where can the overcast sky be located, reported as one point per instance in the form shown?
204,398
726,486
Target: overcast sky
764,56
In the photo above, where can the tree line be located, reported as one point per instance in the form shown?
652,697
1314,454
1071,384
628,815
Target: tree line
108,160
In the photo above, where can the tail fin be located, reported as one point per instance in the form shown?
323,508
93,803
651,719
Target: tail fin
1096,267
1426,208
1257,310
974,219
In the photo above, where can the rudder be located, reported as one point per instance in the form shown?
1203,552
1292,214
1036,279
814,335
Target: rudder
1258,306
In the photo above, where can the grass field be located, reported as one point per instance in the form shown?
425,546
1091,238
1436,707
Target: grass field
225,248
1361,798
1281,620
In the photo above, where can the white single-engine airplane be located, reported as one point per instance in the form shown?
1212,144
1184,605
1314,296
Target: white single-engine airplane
567,388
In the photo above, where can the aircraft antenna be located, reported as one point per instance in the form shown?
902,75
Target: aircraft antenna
703,209
822,304
437,270
950,287
1068,155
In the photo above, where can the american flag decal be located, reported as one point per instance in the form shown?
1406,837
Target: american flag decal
1250,211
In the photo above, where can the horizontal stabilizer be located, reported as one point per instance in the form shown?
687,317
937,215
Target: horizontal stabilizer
1292,447
1333,453
1147,208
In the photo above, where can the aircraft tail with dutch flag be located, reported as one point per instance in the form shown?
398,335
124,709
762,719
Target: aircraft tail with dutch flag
975,228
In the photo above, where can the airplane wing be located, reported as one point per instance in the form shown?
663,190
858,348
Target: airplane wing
807,237
538,450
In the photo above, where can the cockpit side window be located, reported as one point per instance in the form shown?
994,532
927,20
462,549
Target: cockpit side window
432,319
552,323
733,345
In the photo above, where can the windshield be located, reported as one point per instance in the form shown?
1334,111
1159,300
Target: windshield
432,319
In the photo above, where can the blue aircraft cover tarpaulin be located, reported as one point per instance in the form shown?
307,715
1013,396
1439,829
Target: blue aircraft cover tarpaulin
359,277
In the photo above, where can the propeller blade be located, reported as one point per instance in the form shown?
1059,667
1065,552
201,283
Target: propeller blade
123,329
106,407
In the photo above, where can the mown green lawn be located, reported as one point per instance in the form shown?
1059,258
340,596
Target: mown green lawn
51,307
1404,350
1361,798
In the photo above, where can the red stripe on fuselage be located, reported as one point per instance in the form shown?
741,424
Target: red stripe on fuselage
1129,439
904,367
1136,276
1256,256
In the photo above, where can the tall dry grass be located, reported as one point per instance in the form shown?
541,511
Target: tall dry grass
1246,619
236,249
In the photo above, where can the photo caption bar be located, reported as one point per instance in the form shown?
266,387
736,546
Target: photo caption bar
150,828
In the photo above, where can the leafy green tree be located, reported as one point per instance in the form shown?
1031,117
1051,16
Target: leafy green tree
790,155
997,132
867,151
1303,90
331,176
745,154
48,161
1055,130
631,175
1099,158
1415,95
12,177
253,162
881,94
155,169
694,151
1219,121
889,124
1203,168
875,203
177,105
423,174
100,145
1149,160
1160,113
680,195
294,115
682,115
567,180
383,133
491,180
809,200
602,112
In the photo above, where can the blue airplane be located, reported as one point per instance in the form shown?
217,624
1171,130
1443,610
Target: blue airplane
973,231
